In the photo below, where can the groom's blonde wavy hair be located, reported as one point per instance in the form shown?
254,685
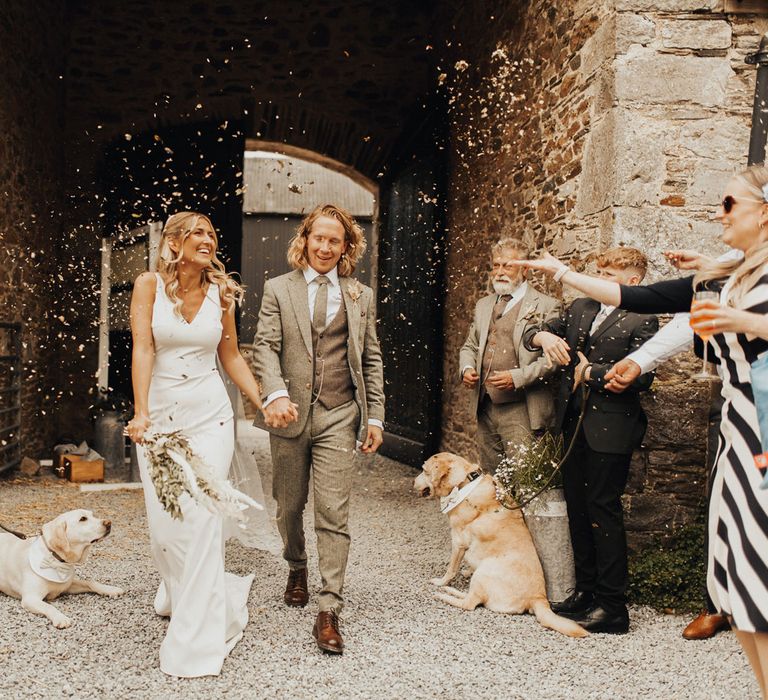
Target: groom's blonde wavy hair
177,229
751,268
354,237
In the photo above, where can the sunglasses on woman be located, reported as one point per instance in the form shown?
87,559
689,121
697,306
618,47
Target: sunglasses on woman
729,202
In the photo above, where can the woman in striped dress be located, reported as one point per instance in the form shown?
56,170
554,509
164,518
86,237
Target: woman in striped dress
737,572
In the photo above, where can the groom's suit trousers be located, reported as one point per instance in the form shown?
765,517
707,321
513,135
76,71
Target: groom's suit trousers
325,449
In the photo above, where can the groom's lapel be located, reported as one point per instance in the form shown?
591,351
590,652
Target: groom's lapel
297,290
353,311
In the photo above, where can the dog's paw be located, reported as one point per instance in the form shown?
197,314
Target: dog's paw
61,622
437,582
112,591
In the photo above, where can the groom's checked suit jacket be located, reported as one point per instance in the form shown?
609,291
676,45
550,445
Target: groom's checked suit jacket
283,352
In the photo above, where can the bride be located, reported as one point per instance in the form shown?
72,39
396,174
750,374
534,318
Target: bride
182,318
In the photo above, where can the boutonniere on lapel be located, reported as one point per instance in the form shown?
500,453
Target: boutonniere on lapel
355,291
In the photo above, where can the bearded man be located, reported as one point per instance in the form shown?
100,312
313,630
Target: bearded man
509,394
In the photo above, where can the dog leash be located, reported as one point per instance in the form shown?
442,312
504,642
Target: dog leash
585,390
20,535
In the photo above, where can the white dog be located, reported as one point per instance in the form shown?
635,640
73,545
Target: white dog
42,568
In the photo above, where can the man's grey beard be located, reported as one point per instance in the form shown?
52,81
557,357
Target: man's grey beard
503,286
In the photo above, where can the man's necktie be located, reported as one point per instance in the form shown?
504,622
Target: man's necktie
501,304
601,316
321,304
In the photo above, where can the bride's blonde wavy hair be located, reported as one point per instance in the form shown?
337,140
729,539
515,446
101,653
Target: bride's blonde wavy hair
353,237
177,228
751,268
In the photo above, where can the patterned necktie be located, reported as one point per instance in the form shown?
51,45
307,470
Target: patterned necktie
501,304
602,314
321,304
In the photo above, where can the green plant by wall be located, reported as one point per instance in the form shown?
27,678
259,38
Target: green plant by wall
670,575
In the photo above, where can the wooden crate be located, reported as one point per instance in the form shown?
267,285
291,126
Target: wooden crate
79,470
58,463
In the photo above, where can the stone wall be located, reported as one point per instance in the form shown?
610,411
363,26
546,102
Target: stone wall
599,124
31,167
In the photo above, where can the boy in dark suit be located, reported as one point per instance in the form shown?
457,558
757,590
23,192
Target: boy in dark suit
587,339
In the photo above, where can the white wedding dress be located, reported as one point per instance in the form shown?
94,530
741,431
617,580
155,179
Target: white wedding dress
207,606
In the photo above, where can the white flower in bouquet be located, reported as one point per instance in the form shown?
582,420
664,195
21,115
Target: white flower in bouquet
528,468
175,469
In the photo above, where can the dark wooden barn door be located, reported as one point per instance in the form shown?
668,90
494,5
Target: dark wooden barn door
411,283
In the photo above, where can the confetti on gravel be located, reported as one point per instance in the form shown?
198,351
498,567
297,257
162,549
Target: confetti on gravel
401,643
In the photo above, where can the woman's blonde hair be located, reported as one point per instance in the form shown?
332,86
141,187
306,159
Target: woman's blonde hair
745,272
353,237
177,228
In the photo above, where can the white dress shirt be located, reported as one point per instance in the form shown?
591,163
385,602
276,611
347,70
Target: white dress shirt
334,293
334,304
605,311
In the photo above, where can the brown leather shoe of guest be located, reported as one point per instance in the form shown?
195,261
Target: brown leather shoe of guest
296,594
706,625
326,632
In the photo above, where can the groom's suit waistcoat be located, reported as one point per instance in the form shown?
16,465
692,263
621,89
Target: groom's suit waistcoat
332,385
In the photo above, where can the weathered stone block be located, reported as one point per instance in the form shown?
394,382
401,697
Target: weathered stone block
633,29
597,182
649,512
695,34
668,5
649,77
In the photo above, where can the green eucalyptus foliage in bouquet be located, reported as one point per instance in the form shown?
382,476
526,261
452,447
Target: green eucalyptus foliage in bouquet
175,470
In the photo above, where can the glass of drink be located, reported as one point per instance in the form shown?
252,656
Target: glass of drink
706,374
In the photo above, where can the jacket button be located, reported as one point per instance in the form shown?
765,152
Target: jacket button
309,386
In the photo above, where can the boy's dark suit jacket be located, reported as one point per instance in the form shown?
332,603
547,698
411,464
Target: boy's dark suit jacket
613,423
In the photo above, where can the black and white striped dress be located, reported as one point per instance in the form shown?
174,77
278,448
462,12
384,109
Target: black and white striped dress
737,572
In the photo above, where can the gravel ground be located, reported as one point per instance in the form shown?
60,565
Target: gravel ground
400,641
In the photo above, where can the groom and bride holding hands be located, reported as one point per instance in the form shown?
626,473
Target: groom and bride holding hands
321,397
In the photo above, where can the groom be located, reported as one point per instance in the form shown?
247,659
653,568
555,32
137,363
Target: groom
319,363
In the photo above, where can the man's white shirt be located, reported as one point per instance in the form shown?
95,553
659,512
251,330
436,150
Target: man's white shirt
334,304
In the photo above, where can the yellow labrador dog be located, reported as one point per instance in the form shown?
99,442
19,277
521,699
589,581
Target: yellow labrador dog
507,577
42,568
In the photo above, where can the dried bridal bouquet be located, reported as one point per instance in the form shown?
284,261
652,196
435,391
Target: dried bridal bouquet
175,470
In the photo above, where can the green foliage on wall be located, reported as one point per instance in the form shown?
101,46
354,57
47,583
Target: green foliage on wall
670,574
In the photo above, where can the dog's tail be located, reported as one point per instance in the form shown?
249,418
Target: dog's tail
546,618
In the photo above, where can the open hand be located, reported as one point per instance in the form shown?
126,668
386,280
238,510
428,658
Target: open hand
621,375
281,412
555,349
373,440
685,259
547,263
470,377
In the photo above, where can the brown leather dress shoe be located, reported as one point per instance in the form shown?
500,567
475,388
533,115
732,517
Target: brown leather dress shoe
296,594
326,632
706,625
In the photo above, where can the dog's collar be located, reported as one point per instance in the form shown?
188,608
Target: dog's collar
460,494
48,547
42,562
471,477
